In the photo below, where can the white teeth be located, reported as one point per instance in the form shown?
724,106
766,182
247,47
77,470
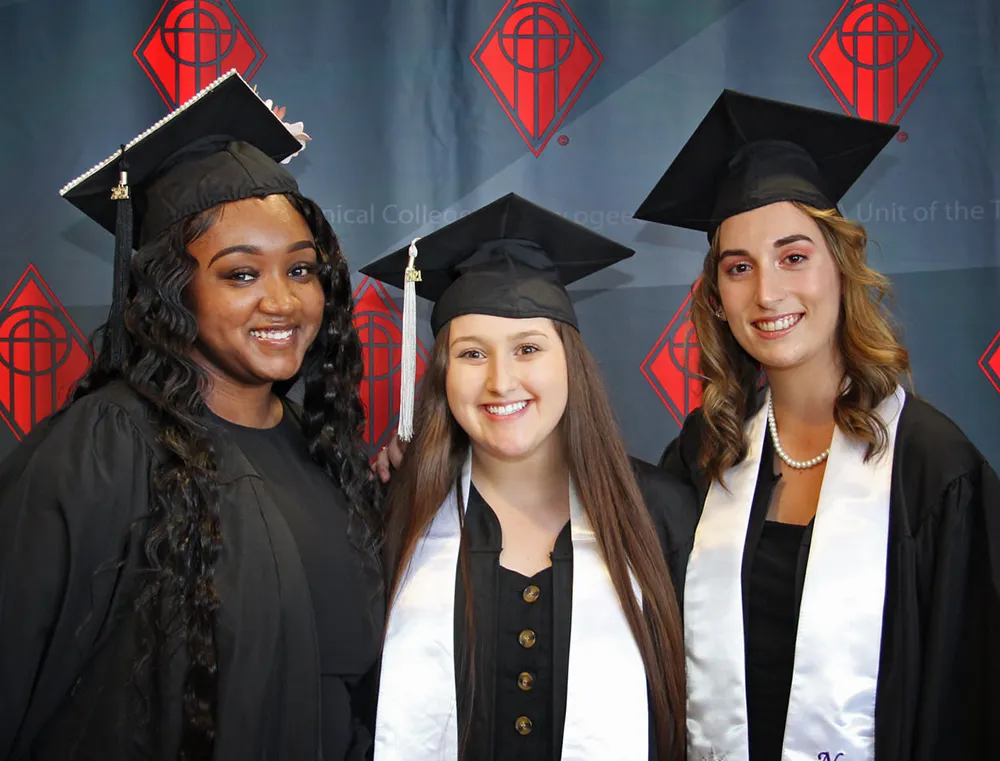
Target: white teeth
506,409
272,335
775,325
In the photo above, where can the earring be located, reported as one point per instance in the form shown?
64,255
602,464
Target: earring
719,314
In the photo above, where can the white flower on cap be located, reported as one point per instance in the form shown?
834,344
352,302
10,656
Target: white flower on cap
296,128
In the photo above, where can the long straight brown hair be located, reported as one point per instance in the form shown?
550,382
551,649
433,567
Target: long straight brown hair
605,481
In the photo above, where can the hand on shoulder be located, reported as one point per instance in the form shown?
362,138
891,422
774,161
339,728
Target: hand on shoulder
391,456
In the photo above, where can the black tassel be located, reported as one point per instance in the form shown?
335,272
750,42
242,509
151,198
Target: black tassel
115,333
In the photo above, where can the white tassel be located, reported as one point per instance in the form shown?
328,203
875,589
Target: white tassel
408,386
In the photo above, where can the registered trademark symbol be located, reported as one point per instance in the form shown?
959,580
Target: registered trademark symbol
564,140
902,137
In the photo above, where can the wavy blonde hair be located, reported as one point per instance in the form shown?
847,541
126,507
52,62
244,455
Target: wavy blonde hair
873,358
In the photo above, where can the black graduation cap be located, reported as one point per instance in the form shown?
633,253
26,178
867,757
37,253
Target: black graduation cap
222,145
749,152
510,258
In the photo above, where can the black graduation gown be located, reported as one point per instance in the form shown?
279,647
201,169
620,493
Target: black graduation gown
73,498
499,608
938,692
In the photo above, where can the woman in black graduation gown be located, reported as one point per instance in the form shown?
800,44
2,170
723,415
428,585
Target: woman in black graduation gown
842,594
515,629
187,559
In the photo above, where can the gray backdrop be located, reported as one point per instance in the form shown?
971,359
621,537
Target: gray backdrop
408,106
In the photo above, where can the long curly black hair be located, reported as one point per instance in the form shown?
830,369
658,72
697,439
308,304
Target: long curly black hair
178,600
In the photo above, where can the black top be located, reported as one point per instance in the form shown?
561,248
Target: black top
343,584
513,636
772,619
73,498
500,615
524,666
938,692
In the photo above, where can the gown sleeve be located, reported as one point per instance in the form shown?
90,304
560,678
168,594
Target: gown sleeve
680,458
364,696
673,505
68,498
961,674
681,455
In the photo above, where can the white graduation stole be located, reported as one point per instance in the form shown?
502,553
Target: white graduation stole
606,707
831,707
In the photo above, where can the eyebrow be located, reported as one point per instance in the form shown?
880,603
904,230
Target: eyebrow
780,243
246,248
515,337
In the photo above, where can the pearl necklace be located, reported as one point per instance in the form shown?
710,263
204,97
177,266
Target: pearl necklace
799,465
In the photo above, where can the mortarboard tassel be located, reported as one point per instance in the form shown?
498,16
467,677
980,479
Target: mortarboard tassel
407,389
115,332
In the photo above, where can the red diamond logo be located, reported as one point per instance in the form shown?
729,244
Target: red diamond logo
672,366
379,325
537,59
875,56
42,354
989,363
191,43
